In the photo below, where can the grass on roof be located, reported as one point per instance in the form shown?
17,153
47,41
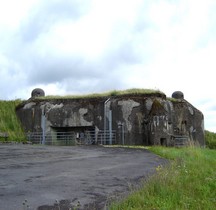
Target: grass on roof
174,99
112,93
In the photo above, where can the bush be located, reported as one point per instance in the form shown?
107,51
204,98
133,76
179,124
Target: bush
210,139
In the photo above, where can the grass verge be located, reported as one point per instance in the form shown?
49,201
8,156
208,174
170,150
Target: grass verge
188,182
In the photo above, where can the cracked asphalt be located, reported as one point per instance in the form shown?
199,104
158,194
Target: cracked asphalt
85,177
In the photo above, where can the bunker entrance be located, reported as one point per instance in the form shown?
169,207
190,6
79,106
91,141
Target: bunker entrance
75,135
163,141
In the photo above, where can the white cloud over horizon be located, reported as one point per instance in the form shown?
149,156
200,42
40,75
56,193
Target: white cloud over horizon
84,46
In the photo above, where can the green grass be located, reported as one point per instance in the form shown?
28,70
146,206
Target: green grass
210,138
188,182
173,99
9,122
112,93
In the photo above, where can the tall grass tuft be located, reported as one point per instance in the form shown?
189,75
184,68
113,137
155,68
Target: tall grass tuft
9,122
188,182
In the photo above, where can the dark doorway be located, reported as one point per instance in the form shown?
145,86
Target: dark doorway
163,141
79,134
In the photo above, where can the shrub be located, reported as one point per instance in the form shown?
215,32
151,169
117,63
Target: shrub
210,139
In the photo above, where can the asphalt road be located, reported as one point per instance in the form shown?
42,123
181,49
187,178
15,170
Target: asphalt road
50,177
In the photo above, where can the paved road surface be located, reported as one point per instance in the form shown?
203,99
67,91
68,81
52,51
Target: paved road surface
49,177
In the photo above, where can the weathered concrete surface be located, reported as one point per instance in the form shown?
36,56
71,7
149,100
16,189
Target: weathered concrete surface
136,119
89,175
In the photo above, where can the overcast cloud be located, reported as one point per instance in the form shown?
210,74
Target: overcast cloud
85,46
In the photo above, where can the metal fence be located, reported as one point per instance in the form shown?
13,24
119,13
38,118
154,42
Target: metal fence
180,140
57,138
72,138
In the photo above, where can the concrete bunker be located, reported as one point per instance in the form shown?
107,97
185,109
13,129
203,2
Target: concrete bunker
129,118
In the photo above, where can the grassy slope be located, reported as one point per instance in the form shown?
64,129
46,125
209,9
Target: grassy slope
9,122
189,182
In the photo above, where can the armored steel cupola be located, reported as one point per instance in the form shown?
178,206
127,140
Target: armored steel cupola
178,95
37,92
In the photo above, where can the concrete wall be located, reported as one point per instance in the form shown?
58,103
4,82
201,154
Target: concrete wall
137,119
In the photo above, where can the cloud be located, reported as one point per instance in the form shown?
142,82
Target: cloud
82,46
57,43
46,14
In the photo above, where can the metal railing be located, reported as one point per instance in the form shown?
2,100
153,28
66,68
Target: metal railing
54,138
72,138
180,140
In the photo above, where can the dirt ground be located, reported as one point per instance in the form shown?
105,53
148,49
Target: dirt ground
84,177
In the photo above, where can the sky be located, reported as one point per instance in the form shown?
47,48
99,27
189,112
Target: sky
69,47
